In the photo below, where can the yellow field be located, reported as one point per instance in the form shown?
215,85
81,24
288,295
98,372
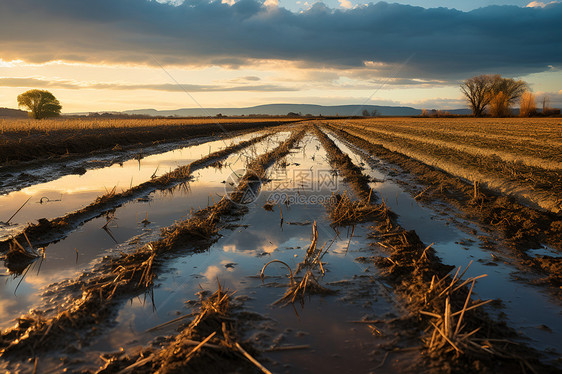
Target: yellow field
17,125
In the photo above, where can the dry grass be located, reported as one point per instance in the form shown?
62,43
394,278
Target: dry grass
531,185
128,274
536,130
57,124
210,340
42,232
344,211
462,334
539,155
309,283
521,227
75,138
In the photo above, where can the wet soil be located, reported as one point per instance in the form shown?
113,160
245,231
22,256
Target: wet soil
24,147
522,228
367,285
418,275
131,225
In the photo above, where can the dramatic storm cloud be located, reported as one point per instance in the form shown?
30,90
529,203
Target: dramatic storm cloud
436,43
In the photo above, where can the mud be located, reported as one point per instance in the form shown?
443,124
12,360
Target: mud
398,316
422,281
322,328
98,293
27,146
522,228
46,231
211,339
533,186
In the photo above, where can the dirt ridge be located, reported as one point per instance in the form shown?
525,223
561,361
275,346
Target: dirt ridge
46,231
98,293
423,282
521,227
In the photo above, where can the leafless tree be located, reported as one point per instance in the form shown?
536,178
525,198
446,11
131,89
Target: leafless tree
494,90
477,91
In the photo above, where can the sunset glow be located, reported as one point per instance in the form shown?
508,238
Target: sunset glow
124,55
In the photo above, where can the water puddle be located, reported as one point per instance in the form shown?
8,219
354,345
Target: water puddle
129,226
544,251
324,322
533,313
72,192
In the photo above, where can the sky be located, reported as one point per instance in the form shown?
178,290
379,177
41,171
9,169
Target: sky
114,55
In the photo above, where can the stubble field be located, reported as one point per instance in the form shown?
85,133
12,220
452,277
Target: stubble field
352,245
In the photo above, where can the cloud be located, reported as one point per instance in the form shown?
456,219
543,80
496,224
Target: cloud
554,99
437,43
346,4
69,84
539,4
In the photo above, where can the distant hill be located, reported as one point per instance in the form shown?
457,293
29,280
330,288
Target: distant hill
12,113
283,109
460,112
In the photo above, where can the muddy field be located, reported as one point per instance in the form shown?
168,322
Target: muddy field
319,246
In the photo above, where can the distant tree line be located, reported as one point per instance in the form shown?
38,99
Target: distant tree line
495,95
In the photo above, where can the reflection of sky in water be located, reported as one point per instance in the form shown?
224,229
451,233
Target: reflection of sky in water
72,192
162,209
240,254
527,307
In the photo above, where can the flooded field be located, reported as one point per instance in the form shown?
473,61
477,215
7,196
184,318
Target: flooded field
293,250
72,192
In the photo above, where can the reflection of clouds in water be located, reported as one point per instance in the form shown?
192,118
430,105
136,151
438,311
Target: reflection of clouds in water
41,280
212,272
227,277
12,307
96,180
126,332
340,246
6,305
229,248
28,295
251,242
268,247
229,265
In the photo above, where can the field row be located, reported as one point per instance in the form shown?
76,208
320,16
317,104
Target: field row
57,124
534,130
321,276
536,185
111,136
510,146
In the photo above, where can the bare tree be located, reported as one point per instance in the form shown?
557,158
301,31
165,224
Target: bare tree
545,104
494,90
477,91
527,107
511,88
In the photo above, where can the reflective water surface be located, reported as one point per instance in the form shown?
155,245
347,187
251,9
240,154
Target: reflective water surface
72,192
529,309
